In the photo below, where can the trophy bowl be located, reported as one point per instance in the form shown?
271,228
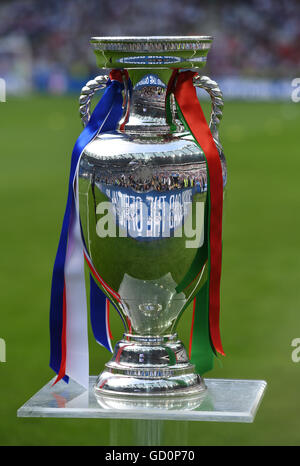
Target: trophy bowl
142,193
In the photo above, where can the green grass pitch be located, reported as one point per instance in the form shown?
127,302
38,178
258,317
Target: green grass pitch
260,299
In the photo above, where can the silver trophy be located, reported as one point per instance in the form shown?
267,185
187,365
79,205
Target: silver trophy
142,197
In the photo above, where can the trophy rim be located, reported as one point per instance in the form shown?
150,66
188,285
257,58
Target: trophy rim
151,43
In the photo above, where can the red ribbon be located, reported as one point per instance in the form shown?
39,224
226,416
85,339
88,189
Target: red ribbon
62,369
181,84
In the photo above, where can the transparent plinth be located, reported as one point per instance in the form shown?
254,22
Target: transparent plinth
225,400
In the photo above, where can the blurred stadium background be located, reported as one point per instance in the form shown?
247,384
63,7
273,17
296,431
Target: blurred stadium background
45,47
45,58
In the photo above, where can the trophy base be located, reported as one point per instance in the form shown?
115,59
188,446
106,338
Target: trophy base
148,366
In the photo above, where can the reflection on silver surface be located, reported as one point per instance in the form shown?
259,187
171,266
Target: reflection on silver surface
146,315
151,44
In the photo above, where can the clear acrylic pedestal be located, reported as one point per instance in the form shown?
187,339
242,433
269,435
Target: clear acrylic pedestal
225,400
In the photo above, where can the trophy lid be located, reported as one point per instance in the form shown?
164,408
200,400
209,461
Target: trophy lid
152,51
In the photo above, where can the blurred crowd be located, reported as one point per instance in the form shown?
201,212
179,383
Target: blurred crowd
252,38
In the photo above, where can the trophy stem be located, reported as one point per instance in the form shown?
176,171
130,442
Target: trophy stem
149,366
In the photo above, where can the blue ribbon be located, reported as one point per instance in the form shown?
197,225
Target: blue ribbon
105,117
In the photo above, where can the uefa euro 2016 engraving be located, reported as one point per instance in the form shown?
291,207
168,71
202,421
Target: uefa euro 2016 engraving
148,215
146,189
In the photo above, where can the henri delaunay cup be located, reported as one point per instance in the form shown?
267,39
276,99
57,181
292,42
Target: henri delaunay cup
142,192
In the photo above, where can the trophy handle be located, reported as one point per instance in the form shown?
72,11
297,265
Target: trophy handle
212,88
87,92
